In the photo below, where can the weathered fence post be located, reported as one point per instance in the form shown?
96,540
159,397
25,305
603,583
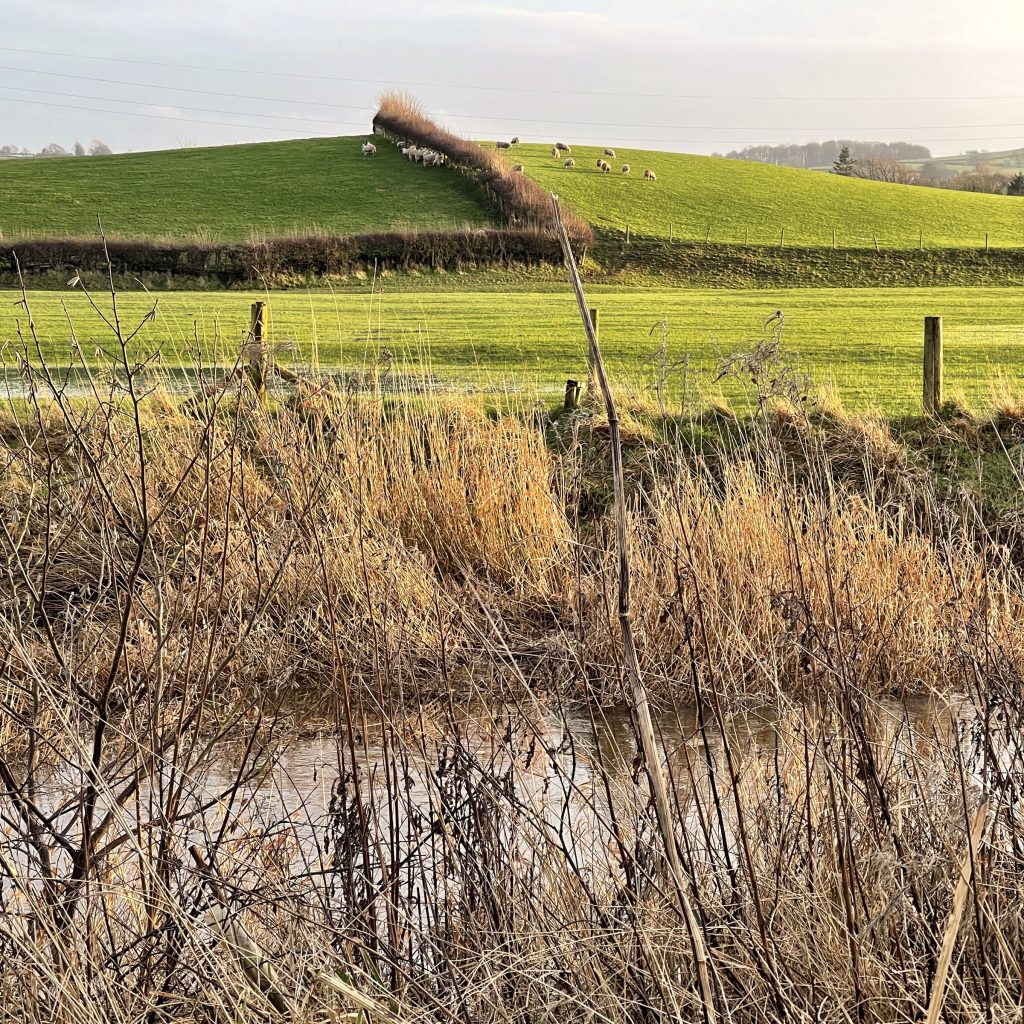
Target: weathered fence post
670,231
572,395
707,235
627,234
920,239
932,364
986,241
782,238
257,350
833,238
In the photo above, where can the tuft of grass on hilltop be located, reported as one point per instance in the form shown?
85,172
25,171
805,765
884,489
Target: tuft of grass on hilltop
229,193
699,197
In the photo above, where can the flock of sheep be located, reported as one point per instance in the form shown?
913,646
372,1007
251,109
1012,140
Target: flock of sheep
417,154
431,158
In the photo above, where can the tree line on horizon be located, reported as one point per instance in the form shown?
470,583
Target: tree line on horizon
931,174
54,149
822,154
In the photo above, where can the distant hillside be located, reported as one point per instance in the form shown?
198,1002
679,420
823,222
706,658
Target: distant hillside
824,154
1011,160
724,200
227,193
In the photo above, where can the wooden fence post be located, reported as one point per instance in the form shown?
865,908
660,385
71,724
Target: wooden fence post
627,234
707,235
746,230
986,241
591,368
833,238
932,364
257,350
572,395
920,239
670,231
782,238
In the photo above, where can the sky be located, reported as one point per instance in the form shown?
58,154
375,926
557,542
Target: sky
697,76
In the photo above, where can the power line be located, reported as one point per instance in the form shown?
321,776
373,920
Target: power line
159,117
491,88
291,132
479,117
178,106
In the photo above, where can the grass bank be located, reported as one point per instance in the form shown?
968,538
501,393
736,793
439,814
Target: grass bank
233,193
699,198
521,346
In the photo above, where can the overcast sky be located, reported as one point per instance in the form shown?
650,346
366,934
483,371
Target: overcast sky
698,76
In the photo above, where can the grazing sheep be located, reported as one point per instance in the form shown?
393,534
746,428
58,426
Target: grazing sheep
518,168
610,152
625,168
562,147
503,145
650,175
554,151
369,149
514,141
603,166
412,153
570,163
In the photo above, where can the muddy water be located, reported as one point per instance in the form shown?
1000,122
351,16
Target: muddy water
569,771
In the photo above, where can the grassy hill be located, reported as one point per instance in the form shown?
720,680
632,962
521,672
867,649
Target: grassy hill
228,192
737,201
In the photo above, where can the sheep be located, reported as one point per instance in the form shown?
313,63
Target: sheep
570,163
412,153
625,168
514,141
503,145
650,175
554,152
369,149
603,166
610,152
517,168
562,147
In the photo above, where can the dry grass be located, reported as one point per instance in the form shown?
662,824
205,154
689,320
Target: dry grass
183,582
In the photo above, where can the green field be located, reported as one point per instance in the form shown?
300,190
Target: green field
698,197
227,193
866,341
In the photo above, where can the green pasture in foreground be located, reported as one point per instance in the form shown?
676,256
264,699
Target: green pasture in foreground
866,341
738,200
227,193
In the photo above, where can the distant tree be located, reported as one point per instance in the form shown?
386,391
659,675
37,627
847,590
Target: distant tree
53,149
79,149
1015,186
933,172
886,170
844,163
984,178
99,148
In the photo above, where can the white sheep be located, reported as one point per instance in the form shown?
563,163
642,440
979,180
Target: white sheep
650,175
562,147
625,168
606,168
369,149
554,151
570,163
610,152
413,153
